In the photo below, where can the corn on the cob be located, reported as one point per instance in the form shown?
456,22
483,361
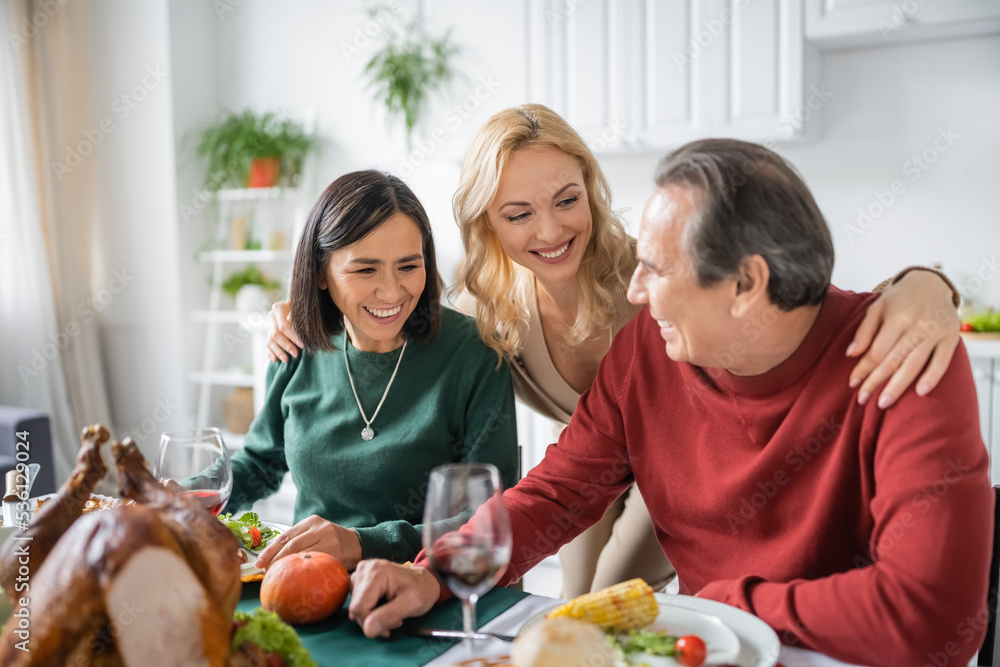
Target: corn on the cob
629,605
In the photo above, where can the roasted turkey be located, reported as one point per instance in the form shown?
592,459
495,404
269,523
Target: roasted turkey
154,582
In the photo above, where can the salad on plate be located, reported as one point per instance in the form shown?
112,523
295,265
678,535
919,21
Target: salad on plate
253,534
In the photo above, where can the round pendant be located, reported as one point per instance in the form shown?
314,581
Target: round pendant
367,433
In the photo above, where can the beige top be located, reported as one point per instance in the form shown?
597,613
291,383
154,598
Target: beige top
537,382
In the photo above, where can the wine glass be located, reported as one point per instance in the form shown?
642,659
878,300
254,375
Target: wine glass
197,460
470,561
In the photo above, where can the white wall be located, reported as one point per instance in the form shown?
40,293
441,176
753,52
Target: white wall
196,101
311,54
888,104
137,232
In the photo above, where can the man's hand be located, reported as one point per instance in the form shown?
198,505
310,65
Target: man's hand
281,337
408,591
314,534
914,321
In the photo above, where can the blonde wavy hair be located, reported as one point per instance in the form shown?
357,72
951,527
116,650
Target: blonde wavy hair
500,286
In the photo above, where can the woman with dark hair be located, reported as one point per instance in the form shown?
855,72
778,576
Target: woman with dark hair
391,384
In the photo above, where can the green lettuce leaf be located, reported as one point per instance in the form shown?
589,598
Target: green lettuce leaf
272,635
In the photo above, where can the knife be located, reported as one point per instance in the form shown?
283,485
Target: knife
457,634
11,498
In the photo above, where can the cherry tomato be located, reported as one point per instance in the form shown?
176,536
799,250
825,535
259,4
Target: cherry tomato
255,538
690,650
967,327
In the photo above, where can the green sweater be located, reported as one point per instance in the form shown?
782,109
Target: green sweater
448,403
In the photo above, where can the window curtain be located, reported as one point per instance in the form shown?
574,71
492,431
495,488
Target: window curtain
50,356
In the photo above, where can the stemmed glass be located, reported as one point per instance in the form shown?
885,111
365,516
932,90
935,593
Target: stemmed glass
197,460
470,561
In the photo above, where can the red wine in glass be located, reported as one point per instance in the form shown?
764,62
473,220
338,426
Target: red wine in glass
197,460
468,558
210,500
468,569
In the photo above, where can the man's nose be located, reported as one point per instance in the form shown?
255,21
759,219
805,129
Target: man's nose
637,287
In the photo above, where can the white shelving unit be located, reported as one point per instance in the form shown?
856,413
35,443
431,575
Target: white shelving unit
216,316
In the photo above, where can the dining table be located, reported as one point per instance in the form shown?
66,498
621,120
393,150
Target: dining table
339,642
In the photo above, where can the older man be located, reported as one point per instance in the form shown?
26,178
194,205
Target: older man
858,532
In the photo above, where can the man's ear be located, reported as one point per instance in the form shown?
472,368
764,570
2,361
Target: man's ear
751,285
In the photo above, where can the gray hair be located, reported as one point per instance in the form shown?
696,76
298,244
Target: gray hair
750,201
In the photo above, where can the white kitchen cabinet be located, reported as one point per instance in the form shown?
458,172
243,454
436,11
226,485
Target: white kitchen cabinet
995,423
761,82
846,23
653,75
984,357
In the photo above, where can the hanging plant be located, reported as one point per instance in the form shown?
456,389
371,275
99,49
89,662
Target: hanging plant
407,68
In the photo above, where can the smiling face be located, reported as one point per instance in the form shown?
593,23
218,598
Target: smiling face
695,322
377,282
541,213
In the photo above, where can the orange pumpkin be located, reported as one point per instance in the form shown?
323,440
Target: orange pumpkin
304,587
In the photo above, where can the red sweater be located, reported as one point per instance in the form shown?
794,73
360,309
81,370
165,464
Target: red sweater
860,533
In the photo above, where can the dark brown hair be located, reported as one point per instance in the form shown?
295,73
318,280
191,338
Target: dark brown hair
750,201
351,208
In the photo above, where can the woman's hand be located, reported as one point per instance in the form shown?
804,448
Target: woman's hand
383,594
914,321
281,337
314,534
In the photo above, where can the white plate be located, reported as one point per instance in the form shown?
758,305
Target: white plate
278,527
759,645
721,642
756,643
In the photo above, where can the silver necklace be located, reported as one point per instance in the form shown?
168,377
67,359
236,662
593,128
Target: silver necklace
367,433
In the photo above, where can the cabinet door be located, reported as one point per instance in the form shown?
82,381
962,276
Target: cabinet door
846,22
575,65
982,374
994,442
667,46
761,74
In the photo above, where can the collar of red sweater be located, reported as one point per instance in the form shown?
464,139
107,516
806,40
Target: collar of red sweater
836,313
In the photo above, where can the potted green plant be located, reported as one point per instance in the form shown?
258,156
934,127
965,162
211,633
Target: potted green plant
249,288
253,150
407,68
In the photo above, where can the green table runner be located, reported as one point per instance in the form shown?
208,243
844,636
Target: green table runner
339,642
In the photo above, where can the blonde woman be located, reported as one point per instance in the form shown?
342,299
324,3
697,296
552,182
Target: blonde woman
547,267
